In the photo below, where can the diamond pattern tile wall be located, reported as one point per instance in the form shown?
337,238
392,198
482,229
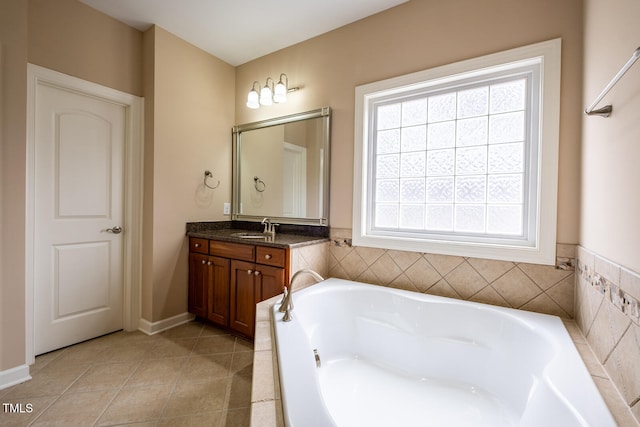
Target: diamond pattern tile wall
606,299
537,288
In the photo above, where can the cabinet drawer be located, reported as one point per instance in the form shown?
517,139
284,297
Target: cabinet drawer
270,256
200,246
232,250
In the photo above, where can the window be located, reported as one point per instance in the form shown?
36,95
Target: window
462,159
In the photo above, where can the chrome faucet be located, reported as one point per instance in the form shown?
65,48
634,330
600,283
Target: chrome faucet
269,227
287,303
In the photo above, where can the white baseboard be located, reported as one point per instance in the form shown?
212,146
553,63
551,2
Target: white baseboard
14,376
150,328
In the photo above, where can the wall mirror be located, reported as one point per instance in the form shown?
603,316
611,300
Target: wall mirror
281,169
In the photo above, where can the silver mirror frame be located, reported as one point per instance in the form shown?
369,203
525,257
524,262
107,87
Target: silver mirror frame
324,113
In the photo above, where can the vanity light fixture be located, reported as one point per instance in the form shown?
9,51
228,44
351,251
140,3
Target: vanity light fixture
269,94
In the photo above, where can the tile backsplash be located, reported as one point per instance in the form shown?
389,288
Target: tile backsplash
540,288
607,297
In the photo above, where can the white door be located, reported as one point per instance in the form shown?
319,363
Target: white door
79,212
294,183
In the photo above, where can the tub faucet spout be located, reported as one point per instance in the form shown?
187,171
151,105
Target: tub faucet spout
287,302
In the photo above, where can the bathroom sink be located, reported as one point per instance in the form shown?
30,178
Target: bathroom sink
249,235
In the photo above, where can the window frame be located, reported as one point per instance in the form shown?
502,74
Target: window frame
540,248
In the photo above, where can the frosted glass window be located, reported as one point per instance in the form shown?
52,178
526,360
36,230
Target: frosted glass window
388,166
507,127
441,135
471,160
388,141
414,138
454,161
386,215
509,96
387,190
442,107
471,189
413,164
471,132
389,116
469,218
440,190
462,159
473,102
440,217
414,112
412,190
412,216
504,189
506,158
504,219
440,162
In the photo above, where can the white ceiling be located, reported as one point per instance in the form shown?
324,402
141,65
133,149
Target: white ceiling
238,31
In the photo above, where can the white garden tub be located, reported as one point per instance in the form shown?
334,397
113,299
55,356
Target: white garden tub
387,357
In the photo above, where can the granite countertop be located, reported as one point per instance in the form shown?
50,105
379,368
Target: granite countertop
228,231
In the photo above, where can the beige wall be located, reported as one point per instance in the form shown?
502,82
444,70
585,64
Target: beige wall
609,257
415,36
13,74
610,208
192,107
70,37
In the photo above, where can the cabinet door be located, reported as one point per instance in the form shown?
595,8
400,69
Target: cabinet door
198,278
243,296
271,282
218,290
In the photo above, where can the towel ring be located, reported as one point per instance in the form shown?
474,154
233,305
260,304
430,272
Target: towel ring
208,174
258,184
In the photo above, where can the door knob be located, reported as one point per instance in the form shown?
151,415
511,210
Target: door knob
115,230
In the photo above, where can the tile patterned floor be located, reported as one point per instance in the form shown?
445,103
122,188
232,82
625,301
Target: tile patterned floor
191,375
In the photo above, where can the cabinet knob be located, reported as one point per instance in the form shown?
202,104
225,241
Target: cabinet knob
204,262
267,256
256,273
196,245
249,271
209,263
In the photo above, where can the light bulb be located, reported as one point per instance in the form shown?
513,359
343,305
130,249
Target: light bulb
280,93
252,100
266,97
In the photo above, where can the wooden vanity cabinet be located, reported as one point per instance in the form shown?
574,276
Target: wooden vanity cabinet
208,283
250,284
198,276
198,279
227,280
218,291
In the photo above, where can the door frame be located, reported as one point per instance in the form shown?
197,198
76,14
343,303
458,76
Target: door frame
133,191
